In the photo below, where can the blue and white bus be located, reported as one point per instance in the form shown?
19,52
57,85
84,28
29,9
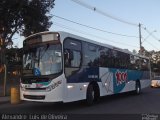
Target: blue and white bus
62,67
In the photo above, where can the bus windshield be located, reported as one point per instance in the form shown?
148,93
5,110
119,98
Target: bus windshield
43,60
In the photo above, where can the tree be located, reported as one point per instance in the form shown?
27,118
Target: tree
24,17
134,51
154,57
155,60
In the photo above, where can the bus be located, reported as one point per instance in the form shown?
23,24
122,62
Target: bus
62,67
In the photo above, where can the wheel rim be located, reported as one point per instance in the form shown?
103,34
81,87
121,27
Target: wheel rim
92,95
138,89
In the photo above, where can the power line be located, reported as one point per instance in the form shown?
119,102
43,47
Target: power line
94,27
148,36
82,32
103,13
66,27
150,33
117,19
152,45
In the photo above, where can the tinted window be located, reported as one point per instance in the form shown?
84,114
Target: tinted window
124,60
104,60
91,55
145,64
72,56
138,63
70,43
75,62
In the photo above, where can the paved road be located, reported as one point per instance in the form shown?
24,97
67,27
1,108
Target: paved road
147,102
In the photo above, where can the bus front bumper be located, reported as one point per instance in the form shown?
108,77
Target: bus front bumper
44,96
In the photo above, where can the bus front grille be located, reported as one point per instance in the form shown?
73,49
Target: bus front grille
35,88
34,97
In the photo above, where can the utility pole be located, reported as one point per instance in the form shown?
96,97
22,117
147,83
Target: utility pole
140,39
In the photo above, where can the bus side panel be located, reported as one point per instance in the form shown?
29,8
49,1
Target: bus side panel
115,81
75,91
106,85
110,81
146,80
121,80
77,83
145,83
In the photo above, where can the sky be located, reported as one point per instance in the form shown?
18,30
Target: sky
145,12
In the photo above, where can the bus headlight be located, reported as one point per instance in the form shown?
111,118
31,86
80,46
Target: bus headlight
53,86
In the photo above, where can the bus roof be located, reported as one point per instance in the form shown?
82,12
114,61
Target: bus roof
64,35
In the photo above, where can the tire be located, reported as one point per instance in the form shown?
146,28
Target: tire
90,97
138,88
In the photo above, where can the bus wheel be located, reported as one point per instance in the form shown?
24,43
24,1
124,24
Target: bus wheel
90,95
138,87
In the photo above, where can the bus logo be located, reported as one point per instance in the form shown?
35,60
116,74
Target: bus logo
121,77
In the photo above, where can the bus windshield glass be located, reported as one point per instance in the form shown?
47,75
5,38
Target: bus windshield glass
43,60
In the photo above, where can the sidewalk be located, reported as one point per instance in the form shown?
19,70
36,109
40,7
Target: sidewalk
4,99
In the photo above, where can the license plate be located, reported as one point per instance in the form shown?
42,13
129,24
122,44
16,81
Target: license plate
33,85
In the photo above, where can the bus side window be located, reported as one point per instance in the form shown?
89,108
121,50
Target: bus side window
138,63
72,58
91,55
103,59
72,61
68,56
75,59
135,62
145,63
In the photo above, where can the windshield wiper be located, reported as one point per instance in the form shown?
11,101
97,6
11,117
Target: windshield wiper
39,53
